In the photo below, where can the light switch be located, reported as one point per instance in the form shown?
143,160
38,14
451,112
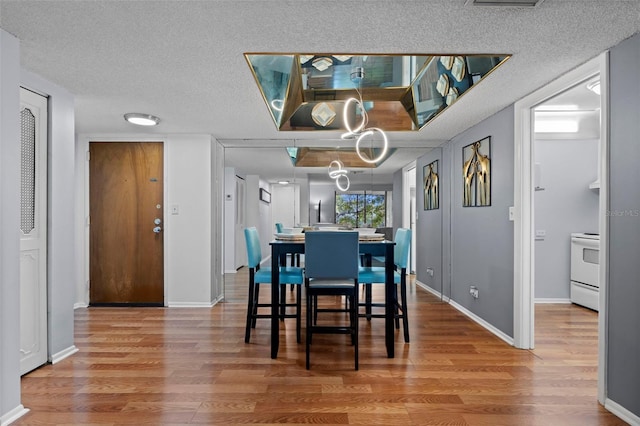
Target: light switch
511,214
175,209
540,234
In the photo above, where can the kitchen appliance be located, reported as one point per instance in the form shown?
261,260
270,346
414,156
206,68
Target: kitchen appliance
585,269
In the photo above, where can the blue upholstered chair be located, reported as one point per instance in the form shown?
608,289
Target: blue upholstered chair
259,275
376,274
295,259
331,269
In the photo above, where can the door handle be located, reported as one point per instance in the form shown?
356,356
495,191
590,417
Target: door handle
157,229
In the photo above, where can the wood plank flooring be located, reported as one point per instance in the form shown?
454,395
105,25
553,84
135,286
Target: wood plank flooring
176,366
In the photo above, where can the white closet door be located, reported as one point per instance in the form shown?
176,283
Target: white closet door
33,231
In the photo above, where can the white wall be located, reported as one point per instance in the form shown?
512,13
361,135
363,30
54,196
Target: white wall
62,271
259,212
10,406
564,204
326,193
285,205
229,219
187,235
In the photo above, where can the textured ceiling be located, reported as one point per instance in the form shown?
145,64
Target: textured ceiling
183,60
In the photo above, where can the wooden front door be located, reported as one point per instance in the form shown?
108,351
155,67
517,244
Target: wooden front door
126,222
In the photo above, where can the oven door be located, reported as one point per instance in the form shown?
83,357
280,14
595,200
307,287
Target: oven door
585,260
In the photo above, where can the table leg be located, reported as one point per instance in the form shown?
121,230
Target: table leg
389,288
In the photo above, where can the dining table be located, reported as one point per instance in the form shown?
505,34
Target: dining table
369,248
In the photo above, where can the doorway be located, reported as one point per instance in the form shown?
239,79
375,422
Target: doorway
524,231
126,224
566,193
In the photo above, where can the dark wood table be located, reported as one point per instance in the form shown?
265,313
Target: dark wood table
279,250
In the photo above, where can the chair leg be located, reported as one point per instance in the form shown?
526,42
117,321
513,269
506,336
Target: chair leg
354,315
405,319
309,325
250,303
367,300
298,313
396,309
283,301
255,305
315,310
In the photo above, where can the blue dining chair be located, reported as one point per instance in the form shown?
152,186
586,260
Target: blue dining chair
295,259
369,275
262,275
331,269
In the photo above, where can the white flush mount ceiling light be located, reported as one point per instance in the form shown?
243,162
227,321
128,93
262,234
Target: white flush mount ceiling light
594,86
141,119
283,182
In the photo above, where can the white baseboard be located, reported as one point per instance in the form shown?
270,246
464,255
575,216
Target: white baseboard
470,314
622,412
65,353
13,415
230,271
79,305
191,304
194,304
550,300
432,291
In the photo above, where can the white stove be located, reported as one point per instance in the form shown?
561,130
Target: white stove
585,269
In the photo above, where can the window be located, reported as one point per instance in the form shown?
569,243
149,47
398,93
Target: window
361,209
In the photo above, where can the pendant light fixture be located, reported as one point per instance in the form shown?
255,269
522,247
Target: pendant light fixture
361,132
339,174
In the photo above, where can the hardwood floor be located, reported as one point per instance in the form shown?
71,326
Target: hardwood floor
191,365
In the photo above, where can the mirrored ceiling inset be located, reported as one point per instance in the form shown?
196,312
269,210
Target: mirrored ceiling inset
398,92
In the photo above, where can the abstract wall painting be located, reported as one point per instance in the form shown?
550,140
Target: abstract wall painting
476,173
430,186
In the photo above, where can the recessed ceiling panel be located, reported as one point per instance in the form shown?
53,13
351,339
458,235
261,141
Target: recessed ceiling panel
399,92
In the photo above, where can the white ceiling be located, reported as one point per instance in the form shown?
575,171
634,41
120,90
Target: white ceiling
183,60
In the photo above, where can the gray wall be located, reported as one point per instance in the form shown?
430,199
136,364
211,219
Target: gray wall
624,227
565,205
482,237
429,225
468,246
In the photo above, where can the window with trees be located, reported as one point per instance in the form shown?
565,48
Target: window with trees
361,209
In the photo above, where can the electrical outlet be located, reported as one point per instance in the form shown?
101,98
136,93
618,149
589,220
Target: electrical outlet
473,290
430,272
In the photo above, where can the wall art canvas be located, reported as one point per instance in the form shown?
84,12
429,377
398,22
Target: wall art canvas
430,186
476,173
